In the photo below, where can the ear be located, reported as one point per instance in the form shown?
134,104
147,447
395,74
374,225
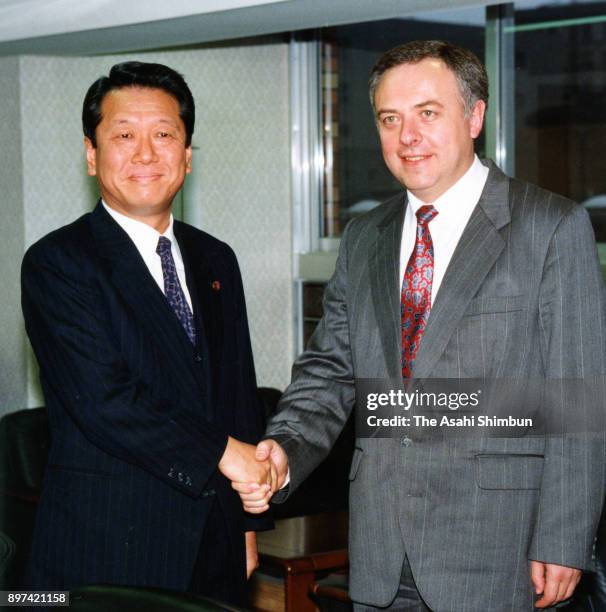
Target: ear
188,160
91,157
476,118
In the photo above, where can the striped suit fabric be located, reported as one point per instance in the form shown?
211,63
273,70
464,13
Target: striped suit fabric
139,416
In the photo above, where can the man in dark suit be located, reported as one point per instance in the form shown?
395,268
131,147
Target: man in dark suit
469,274
139,326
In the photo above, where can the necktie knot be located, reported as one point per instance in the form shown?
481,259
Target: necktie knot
425,214
163,247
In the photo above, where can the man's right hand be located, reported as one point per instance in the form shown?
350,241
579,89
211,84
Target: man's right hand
255,496
239,463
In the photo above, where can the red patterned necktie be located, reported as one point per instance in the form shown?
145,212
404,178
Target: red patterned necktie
416,290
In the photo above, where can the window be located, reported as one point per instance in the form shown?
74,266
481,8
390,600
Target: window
546,121
560,88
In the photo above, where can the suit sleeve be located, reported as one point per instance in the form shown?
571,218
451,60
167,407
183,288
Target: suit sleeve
321,396
83,368
572,312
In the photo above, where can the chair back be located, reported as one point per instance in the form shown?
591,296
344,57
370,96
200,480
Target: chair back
327,487
7,552
24,446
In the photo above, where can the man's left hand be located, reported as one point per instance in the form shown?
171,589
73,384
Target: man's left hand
553,582
252,556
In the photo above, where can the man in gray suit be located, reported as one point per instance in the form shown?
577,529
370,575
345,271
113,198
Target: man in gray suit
510,275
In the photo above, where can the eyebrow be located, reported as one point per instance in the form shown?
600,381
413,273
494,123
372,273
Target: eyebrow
429,103
127,121
419,105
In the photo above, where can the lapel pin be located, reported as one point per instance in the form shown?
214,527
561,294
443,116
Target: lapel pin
216,285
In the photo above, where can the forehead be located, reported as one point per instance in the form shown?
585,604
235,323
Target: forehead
428,79
139,103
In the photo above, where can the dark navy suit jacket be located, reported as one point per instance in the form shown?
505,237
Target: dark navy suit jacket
139,416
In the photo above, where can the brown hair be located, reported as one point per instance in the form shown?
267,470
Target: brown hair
467,68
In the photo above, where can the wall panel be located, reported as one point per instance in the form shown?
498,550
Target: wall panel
242,168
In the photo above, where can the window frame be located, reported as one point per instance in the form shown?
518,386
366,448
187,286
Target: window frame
307,155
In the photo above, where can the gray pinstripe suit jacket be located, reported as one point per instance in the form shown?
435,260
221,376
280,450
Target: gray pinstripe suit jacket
522,297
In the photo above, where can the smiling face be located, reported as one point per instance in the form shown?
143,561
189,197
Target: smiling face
141,159
426,138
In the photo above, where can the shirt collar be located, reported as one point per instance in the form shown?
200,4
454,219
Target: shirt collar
144,236
467,189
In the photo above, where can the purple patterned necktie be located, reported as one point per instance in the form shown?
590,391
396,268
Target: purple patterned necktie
172,289
416,290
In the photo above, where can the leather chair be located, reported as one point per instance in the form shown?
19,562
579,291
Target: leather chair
100,598
325,490
24,445
7,552
330,594
327,487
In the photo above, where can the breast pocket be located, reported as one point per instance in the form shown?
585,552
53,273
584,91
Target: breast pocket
495,304
509,472
490,336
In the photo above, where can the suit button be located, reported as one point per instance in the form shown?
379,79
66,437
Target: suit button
197,358
406,441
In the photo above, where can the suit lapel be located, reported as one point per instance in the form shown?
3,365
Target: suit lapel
475,255
131,278
384,279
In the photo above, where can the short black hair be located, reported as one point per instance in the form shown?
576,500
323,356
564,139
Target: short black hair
138,74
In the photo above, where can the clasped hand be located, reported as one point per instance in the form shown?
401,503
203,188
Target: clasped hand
256,472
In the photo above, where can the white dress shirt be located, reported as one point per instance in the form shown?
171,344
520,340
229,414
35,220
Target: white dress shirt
446,228
146,239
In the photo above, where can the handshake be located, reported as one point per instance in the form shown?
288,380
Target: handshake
256,473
